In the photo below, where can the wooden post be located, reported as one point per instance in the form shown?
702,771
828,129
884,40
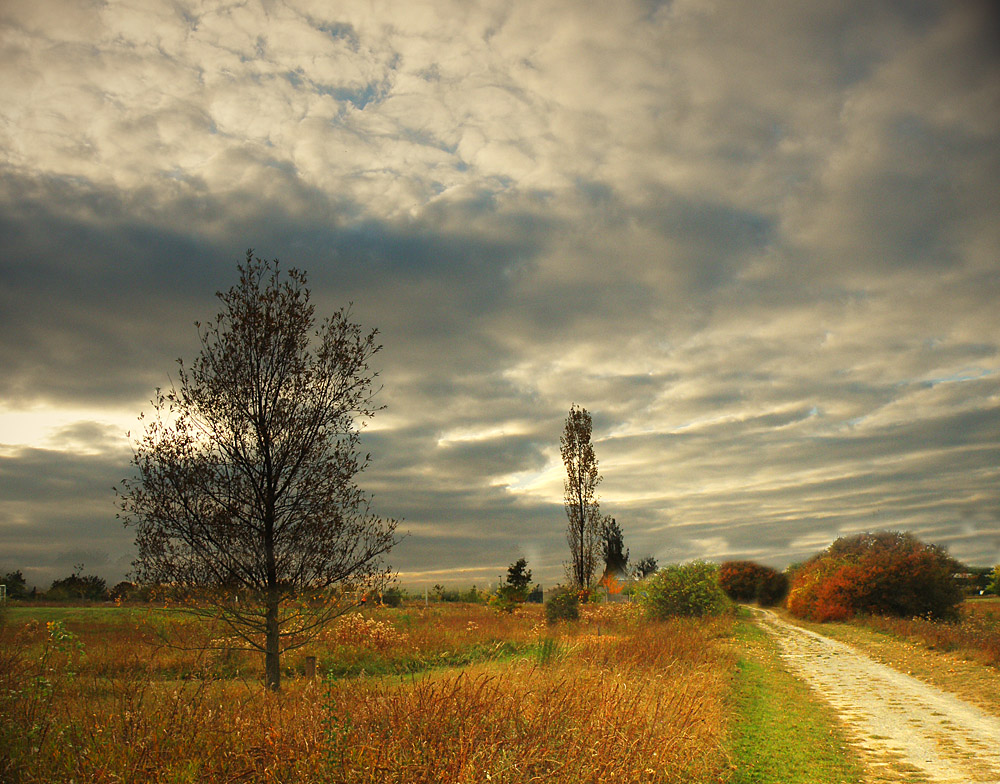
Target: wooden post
310,667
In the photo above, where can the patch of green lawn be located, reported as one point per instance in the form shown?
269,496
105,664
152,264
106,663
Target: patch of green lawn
83,614
781,731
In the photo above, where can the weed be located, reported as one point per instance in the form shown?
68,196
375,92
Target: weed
548,650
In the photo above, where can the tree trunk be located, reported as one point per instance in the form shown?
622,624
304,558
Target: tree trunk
272,666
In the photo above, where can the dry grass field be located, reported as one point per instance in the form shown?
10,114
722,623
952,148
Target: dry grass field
453,693
974,635
445,693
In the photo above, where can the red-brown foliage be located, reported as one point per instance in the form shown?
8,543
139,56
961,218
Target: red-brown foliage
885,573
746,581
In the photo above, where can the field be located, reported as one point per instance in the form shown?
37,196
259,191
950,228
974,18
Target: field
447,693
975,634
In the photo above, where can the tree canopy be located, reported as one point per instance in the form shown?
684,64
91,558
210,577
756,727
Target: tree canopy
885,573
244,499
613,549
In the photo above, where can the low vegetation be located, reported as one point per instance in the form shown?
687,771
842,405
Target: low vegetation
886,573
444,693
974,632
563,605
747,581
673,686
683,590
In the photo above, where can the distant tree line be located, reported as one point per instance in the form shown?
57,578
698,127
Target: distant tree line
75,587
885,573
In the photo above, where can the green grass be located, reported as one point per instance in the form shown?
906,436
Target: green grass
498,651
105,615
335,668
75,614
781,732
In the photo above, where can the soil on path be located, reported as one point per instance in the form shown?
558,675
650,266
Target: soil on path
910,731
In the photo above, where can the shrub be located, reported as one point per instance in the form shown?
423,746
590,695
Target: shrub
515,590
392,597
690,589
739,579
885,573
563,605
746,581
506,598
772,588
123,591
75,586
472,595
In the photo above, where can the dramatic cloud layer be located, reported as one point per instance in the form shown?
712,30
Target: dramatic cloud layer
759,242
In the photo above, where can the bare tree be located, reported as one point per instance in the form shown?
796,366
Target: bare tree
245,500
582,508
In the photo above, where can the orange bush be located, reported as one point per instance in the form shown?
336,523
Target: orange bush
886,573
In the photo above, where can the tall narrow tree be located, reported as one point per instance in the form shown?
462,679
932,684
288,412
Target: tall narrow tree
582,508
245,499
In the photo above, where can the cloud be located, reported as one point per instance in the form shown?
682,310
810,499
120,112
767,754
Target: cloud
58,510
757,242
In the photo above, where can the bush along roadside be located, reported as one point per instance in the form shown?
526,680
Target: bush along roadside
683,590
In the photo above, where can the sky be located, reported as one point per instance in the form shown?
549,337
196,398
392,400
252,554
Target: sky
759,242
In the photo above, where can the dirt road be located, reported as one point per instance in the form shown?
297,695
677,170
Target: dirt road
910,731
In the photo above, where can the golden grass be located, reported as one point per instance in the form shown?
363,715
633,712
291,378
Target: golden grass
608,699
975,634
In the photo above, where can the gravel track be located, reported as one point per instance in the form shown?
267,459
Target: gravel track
910,731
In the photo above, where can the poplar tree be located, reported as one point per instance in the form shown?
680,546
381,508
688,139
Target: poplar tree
583,532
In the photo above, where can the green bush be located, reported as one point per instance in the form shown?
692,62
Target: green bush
690,589
393,597
563,605
506,598
473,595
